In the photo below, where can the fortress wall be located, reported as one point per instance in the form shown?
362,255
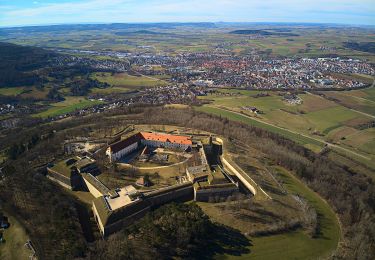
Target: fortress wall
97,218
127,221
174,193
61,179
240,176
205,194
93,190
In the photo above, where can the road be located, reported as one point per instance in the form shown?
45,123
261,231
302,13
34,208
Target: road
297,133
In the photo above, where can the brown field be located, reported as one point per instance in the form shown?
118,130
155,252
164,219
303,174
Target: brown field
341,132
357,121
313,103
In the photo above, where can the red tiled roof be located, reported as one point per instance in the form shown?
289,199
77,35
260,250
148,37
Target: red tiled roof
179,139
116,147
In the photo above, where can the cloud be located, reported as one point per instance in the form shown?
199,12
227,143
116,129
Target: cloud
74,11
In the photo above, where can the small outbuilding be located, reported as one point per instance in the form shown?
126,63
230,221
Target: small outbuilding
143,181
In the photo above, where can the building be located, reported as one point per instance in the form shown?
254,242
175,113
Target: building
124,205
123,147
68,172
143,181
197,173
113,212
126,146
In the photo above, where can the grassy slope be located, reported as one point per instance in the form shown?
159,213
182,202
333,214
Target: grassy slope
15,237
127,81
66,106
11,91
296,137
296,244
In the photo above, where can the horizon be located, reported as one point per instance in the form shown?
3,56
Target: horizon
196,22
20,13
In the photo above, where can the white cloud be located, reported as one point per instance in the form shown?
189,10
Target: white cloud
358,11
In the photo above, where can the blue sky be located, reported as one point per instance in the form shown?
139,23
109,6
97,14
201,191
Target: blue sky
35,12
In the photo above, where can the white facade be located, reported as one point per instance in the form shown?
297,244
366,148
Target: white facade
155,143
115,156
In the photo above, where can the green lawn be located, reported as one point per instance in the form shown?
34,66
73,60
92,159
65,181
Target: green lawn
69,105
297,244
15,238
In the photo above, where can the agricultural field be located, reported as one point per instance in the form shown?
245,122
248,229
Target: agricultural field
126,82
11,91
70,104
313,123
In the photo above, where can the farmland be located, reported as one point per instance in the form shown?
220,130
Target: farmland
69,105
11,91
126,81
313,123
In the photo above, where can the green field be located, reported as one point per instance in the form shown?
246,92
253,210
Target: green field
241,118
69,105
15,237
297,244
123,80
11,91
316,121
109,90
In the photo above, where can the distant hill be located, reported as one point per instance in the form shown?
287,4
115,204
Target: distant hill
144,32
17,64
113,26
263,33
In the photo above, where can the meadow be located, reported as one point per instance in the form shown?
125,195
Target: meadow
11,91
70,104
15,238
123,82
313,123
294,244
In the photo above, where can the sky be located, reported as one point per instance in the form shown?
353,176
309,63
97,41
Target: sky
39,12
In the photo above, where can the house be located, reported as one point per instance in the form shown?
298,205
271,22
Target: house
124,147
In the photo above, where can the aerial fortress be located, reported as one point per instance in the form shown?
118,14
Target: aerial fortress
204,176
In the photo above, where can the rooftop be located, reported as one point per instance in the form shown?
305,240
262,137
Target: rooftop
124,196
179,139
65,167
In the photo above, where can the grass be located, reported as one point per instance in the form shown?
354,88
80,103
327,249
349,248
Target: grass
11,91
297,244
241,118
15,237
69,105
109,90
127,81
